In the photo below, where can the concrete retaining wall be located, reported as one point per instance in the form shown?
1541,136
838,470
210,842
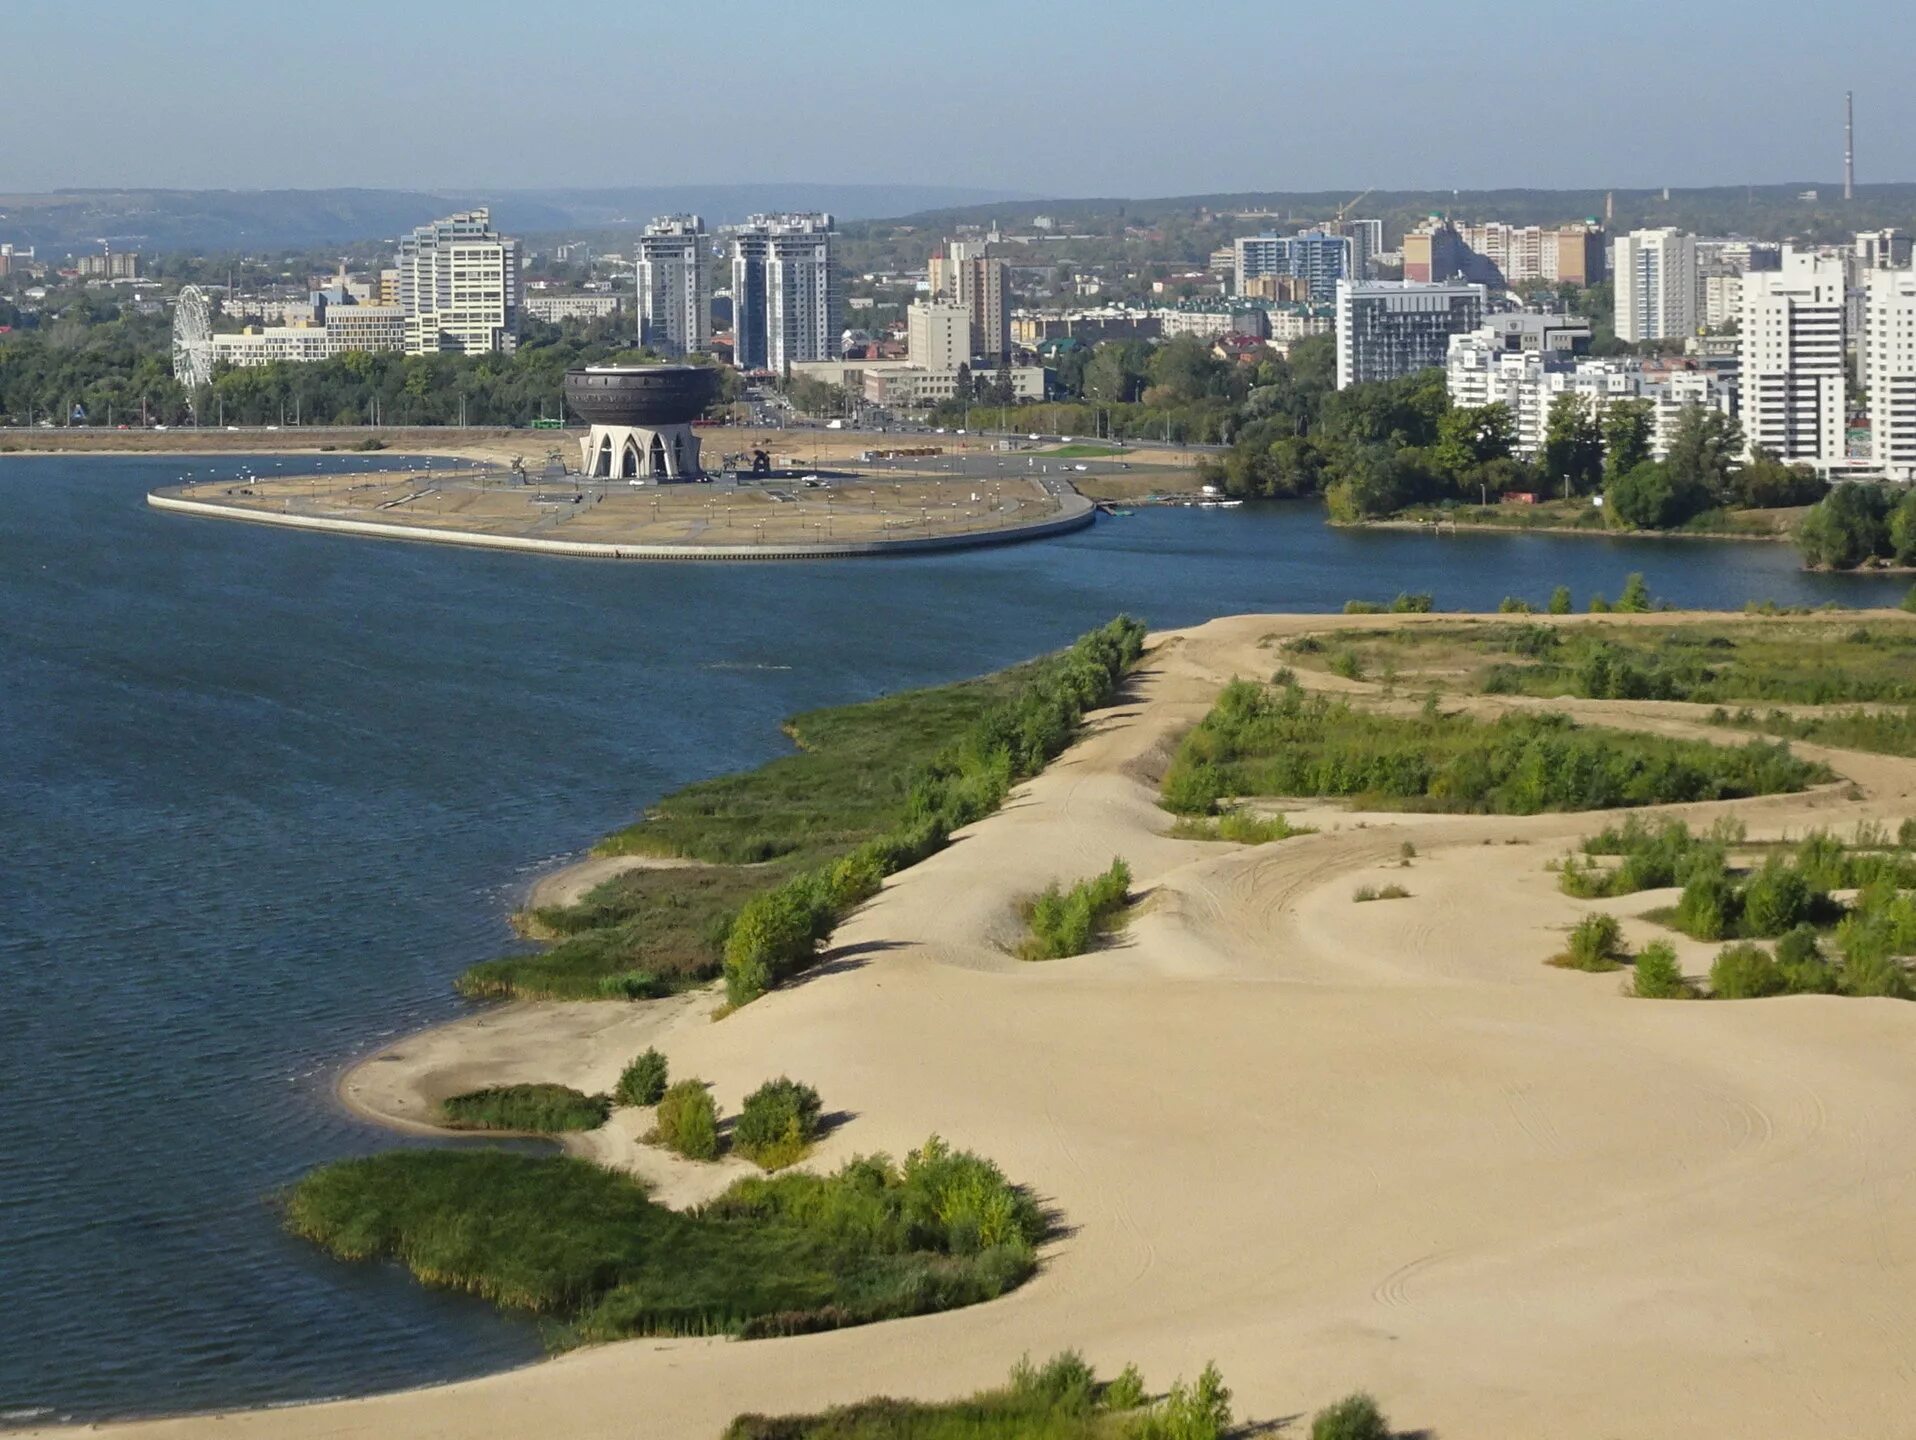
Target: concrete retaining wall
1077,513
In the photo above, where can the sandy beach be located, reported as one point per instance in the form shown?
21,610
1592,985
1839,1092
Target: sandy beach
1328,1145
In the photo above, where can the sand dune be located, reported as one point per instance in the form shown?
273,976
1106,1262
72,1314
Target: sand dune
1328,1145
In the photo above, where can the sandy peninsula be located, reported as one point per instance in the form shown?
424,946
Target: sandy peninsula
1328,1145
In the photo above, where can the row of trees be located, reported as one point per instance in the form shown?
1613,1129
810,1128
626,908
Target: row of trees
116,366
1375,449
1858,524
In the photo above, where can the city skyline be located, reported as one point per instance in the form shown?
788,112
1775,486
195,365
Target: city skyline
1685,97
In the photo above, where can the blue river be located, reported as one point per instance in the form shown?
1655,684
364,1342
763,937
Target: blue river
263,793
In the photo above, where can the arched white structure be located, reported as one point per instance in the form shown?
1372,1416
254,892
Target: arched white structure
658,453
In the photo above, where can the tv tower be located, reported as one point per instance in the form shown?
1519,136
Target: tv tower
1849,145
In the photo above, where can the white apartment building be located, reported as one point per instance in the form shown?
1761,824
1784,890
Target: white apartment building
1721,299
460,286
675,312
910,387
1887,356
1795,400
785,293
1391,328
371,328
939,334
1655,273
1483,369
554,308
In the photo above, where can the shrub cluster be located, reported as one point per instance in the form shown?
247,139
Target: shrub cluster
1650,856
1769,901
772,1256
643,1081
1069,922
1596,943
1260,741
547,1109
778,933
1240,827
688,1121
1659,976
778,1123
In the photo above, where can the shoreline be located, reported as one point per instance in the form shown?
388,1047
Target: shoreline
1528,1222
1478,527
1075,513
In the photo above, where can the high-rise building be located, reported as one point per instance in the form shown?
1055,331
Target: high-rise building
966,274
1887,369
675,312
785,291
1313,256
1560,254
460,286
1435,252
1883,249
1792,347
1387,329
1655,273
939,334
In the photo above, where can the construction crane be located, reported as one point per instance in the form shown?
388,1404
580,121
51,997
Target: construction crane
1352,204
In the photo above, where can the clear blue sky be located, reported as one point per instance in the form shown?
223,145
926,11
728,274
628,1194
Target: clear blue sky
1059,97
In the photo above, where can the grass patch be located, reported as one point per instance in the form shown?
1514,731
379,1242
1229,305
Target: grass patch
1240,827
1070,922
1886,732
585,1246
1788,660
791,846
547,1109
1260,741
1081,452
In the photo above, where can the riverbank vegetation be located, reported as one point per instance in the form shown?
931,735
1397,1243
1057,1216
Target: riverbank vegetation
1785,660
545,1109
587,1249
1266,741
1860,524
788,849
1061,923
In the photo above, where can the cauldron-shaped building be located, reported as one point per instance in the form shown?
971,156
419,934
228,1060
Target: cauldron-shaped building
641,418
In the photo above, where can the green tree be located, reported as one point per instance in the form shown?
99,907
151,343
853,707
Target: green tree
1628,427
1704,446
1765,483
1470,437
1847,527
1560,600
1572,446
1651,497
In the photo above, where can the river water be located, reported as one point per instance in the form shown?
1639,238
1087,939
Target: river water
262,794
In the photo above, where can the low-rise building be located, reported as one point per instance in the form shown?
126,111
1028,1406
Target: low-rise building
554,308
913,387
341,328
1483,369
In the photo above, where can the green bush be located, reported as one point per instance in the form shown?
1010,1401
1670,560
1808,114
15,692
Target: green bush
1069,922
1127,1391
1777,899
547,1109
1200,1411
688,1121
1560,602
1711,908
774,1255
1596,943
1658,975
1355,1417
1876,976
643,1081
1745,972
1805,969
777,1124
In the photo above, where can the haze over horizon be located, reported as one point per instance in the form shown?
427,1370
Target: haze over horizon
1119,98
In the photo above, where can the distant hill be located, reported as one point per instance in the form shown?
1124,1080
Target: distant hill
1760,211
157,221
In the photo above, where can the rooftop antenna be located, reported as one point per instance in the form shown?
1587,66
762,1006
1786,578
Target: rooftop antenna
1849,145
